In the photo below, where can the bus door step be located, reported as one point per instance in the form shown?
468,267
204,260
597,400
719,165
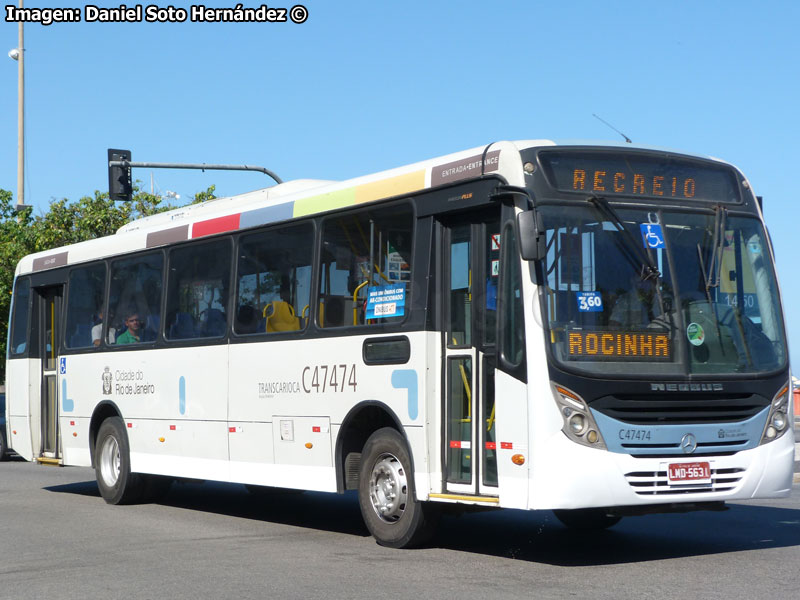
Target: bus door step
49,462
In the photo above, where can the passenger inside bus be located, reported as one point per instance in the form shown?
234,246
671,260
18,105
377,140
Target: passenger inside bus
132,334
97,330
637,306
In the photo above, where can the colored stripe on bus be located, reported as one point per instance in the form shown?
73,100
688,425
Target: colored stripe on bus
393,186
218,225
269,214
167,236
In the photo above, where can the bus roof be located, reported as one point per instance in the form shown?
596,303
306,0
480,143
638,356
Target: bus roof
295,199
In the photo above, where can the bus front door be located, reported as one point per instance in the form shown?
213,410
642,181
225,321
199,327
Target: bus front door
470,274
48,314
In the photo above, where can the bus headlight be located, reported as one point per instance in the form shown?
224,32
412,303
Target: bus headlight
777,420
579,425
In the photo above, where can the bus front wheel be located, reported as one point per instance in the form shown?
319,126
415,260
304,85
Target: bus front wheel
113,464
386,493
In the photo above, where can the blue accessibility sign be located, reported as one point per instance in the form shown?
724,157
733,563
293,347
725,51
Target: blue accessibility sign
652,236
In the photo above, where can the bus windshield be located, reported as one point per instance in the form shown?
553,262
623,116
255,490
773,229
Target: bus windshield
674,292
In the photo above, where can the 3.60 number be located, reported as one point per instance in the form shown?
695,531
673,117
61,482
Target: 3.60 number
590,302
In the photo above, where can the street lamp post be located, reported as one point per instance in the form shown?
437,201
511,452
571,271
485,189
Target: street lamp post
18,54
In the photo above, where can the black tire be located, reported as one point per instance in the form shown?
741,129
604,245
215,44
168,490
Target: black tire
386,493
3,446
587,519
113,465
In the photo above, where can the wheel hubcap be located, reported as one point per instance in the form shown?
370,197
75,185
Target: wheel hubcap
388,488
109,461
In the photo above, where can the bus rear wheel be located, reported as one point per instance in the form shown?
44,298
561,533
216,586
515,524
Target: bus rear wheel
386,493
115,481
587,519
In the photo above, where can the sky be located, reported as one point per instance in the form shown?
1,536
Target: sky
361,87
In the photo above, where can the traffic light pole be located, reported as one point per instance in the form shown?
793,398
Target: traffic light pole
119,171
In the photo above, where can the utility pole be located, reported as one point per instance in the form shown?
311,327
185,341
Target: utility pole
19,56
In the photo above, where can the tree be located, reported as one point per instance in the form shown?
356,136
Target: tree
65,223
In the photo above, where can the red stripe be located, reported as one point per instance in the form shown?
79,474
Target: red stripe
455,444
315,429
491,445
130,425
218,225
506,445
172,427
231,429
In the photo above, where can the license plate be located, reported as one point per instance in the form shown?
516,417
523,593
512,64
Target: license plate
696,472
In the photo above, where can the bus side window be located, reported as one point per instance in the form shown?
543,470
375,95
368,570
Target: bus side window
86,293
197,291
365,274
274,280
20,318
135,289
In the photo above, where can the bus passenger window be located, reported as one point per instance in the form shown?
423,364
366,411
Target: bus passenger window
135,291
365,275
197,291
86,294
20,318
274,280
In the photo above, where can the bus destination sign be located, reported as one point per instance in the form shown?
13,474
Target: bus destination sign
618,345
639,175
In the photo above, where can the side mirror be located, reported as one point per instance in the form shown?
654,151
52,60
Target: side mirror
531,235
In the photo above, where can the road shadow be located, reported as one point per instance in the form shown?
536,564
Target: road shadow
540,537
535,536
313,510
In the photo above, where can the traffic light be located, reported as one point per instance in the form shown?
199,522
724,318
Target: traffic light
120,186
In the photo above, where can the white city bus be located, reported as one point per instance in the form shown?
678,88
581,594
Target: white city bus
595,330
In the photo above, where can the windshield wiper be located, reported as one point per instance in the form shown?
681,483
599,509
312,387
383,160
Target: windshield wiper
641,259
712,276
634,252
715,265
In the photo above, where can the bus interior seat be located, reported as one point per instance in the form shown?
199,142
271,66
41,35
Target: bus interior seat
334,311
183,327
280,317
246,321
82,336
215,323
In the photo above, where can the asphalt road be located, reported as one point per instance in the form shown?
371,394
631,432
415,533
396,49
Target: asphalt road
61,541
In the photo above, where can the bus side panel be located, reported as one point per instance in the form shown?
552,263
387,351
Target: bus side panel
23,406
174,403
512,437
432,400
322,379
75,441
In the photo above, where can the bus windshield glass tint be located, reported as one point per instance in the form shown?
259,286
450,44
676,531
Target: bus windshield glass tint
707,302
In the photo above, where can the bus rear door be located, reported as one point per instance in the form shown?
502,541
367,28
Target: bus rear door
47,313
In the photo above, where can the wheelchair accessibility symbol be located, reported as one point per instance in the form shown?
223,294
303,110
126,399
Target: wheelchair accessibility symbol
652,235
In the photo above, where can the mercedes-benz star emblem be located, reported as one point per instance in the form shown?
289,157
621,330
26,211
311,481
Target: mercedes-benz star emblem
688,443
